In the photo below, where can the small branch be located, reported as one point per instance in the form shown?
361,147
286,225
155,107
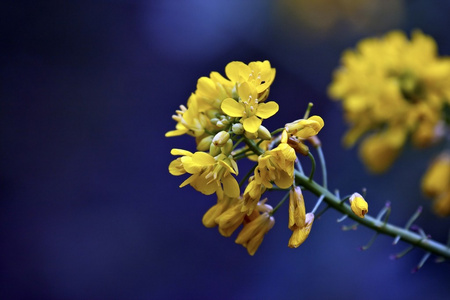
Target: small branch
371,222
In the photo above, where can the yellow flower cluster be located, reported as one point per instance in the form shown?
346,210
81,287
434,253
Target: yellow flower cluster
221,114
436,184
393,88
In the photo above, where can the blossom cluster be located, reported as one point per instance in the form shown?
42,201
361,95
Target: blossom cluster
225,116
392,89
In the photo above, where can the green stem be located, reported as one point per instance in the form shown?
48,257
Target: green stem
276,131
371,222
279,204
249,173
252,145
313,165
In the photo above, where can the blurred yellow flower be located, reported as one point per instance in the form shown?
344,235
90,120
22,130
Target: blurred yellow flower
436,184
393,84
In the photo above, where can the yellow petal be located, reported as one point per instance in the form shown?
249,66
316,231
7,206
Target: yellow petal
232,108
176,167
176,151
252,124
284,181
266,110
300,234
230,186
203,159
235,68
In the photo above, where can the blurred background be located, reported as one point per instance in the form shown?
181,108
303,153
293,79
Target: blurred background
88,207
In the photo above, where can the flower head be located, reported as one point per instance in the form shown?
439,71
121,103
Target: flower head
300,234
305,128
393,82
276,165
252,235
249,108
358,205
208,174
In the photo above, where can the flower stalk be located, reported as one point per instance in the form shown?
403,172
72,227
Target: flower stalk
371,222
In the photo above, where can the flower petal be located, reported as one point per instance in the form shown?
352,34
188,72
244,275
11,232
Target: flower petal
176,151
232,108
230,186
235,68
252,124
266,110
203,159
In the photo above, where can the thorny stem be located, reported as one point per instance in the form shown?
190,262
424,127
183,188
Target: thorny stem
371,222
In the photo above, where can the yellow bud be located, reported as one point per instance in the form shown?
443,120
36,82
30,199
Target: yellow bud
359,205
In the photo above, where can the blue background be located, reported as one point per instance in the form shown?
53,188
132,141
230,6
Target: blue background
88,207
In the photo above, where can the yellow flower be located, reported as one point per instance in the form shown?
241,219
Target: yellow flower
259,74
297,211
436,184
300,234
378,151
190,120
231,218
300,222
393,82
441,205
276,165
252,235
252,195
223,203
305,128
209,174
436,180
358,205
249,108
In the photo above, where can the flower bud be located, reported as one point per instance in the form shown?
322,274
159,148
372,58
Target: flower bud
221,138
251,136
214,150
359,205
204,144
263,133
212,113
237,128
226,149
